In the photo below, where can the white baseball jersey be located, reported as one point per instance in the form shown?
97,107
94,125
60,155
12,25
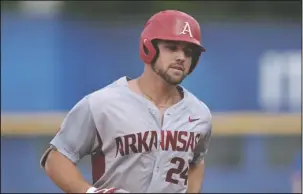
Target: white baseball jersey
138,153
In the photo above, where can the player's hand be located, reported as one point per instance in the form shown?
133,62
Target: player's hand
110,190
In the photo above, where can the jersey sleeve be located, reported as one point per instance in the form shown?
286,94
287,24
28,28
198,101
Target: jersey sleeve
76,137
202,146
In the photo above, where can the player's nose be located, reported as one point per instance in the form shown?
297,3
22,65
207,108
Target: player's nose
180,55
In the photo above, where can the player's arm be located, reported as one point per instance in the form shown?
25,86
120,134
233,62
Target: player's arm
74,140
196,168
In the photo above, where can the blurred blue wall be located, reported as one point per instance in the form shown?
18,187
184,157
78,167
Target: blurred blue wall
49,64
71,59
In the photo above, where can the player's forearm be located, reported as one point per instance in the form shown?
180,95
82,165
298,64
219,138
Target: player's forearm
65,174
195,178
194,187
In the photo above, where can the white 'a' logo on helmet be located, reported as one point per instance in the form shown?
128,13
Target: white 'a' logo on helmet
186,29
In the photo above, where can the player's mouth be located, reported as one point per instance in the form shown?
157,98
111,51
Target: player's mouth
180,68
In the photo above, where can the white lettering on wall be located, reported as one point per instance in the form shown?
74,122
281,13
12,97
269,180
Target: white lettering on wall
280,81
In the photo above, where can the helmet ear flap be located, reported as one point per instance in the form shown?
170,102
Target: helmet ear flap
195,58
148,51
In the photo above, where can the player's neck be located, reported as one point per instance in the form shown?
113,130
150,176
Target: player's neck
157,89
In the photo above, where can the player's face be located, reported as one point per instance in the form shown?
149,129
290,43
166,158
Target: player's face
174,61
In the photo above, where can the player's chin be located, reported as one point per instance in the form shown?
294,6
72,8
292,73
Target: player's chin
176,79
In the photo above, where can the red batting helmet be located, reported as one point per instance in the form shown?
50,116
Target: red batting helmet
170,25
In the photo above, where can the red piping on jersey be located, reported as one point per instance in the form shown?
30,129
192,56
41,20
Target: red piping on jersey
98,161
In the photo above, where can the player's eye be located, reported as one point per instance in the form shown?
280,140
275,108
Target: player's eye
188,52
171,47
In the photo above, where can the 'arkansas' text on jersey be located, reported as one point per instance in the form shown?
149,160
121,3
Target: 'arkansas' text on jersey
182,141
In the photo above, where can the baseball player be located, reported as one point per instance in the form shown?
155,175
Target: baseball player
147,134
